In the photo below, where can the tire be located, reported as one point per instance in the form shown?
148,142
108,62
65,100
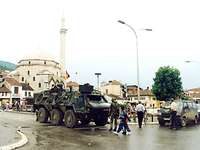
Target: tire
183,122
42,115
70,120
101,120
56,117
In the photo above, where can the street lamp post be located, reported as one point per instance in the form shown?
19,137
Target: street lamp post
191,61
188,61
137,55
98,74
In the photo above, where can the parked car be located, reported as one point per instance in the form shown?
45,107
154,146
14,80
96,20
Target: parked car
187,111
153,111
198,109
164,114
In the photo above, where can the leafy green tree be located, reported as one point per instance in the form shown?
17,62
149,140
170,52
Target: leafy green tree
167,83
184,97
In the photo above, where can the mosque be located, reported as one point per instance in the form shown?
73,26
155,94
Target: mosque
41,71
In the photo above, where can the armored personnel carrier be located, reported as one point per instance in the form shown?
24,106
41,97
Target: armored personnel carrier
71,107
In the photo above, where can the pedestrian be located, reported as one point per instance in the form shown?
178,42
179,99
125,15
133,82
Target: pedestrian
17,105
114,114
134,114
129,109
173,107
7,106
145,116
140,109
127,119
123,125
3,106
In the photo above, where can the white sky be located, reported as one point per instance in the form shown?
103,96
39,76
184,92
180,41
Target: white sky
97,43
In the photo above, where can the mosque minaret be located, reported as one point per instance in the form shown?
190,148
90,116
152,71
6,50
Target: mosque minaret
40,70
63,32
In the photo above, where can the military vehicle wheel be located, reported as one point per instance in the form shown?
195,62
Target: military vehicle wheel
70,119
56,117
42,115
101,121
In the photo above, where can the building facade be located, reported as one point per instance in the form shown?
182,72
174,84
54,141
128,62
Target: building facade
5,95
39,73
27,92
193,94
11,91
14,87
113,88
146,96
74,86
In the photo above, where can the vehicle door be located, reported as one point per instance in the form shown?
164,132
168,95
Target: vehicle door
194,111
79,104
191,114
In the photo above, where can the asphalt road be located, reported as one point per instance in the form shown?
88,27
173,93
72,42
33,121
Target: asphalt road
150,137
8,134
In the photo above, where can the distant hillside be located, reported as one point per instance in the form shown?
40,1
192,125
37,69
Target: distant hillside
7,66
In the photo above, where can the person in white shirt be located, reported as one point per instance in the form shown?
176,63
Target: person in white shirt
173,107
140,113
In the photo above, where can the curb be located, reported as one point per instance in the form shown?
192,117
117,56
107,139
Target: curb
147,123
21,112
20,143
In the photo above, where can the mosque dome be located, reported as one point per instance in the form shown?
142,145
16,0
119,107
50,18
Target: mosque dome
40,54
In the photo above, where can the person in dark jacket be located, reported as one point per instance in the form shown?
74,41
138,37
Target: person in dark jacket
114,114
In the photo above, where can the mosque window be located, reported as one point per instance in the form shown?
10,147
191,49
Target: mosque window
106,91
22,78
28,72
29,62
45,62
39,85
25,93
33,78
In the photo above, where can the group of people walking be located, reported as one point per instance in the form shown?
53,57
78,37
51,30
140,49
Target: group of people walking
120,112
9,106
